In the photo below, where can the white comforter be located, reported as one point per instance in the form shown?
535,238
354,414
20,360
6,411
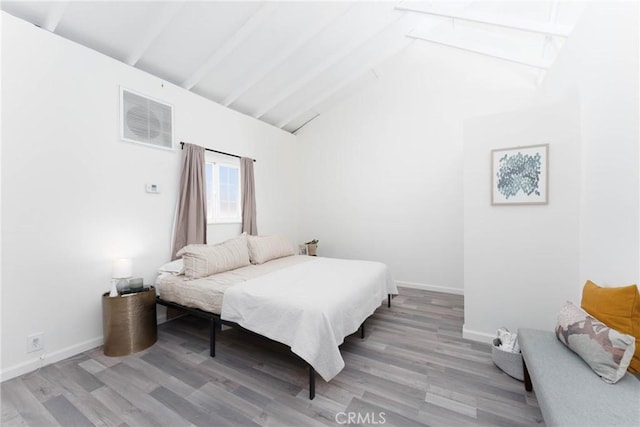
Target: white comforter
311,306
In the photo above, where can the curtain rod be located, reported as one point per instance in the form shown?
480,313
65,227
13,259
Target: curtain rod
215,151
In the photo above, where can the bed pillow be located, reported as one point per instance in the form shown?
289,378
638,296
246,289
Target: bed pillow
266,248
175,267
607,351
205,260
618,308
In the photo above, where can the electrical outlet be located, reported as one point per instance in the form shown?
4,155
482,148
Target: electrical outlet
35,342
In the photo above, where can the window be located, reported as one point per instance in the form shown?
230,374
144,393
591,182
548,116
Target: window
223,191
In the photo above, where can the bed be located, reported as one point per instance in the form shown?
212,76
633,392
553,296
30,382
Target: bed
307,303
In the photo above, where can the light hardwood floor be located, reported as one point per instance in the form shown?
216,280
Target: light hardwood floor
413,368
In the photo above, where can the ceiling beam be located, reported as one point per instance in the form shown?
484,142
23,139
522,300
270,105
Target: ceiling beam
548,40
346,80
305,123
335,89
494,53
155,28
319,69
238,37
546,28
262,72
54,15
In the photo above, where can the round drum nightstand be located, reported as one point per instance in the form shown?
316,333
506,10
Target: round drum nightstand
129,322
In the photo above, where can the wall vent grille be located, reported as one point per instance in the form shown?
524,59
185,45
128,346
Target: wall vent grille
145,120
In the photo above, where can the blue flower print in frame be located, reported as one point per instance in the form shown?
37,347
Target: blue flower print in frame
519,175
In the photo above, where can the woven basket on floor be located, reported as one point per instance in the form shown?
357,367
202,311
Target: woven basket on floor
510,363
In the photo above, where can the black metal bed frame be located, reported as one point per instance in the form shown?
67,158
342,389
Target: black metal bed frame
216,322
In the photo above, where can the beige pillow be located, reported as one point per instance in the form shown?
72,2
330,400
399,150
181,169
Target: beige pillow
266,248
205,260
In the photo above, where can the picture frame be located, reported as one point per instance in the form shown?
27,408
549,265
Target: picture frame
520,175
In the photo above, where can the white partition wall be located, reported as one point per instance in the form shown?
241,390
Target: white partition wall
523,263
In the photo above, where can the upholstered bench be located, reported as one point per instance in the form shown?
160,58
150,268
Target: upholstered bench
569,392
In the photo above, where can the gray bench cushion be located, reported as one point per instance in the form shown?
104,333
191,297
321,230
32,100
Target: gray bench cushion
569,392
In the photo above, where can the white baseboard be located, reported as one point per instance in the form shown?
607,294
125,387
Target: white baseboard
45,359
477,336
433,288
49,358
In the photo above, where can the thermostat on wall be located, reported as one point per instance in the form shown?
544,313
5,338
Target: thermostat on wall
153,188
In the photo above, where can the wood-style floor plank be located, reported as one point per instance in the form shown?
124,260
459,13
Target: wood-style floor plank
66,413
412,369
18,397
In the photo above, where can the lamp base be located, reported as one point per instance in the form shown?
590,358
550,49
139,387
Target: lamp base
122,285
136,284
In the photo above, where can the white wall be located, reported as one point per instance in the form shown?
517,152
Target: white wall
382,172
519,261
588,113
73,194
602,66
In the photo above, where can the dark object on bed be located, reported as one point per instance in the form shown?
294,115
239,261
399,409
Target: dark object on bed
215,323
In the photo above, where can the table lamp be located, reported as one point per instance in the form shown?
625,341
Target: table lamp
122,270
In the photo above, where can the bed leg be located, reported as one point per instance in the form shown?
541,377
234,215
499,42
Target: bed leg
527,379
312,382
389,300
362,330
212,337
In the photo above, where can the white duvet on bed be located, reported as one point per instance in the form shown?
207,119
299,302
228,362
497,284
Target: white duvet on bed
310,306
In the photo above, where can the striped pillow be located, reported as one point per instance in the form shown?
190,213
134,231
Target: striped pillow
266,248
205,260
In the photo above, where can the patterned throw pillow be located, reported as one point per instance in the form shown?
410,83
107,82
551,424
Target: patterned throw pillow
618,308
607,351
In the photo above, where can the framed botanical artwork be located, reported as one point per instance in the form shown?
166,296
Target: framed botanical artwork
520,175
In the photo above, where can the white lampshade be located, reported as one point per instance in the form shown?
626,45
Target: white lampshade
122,268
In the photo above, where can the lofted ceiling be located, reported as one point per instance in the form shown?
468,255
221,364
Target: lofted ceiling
287,62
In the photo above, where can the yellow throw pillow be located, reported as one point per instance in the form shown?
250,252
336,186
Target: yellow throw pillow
618,308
